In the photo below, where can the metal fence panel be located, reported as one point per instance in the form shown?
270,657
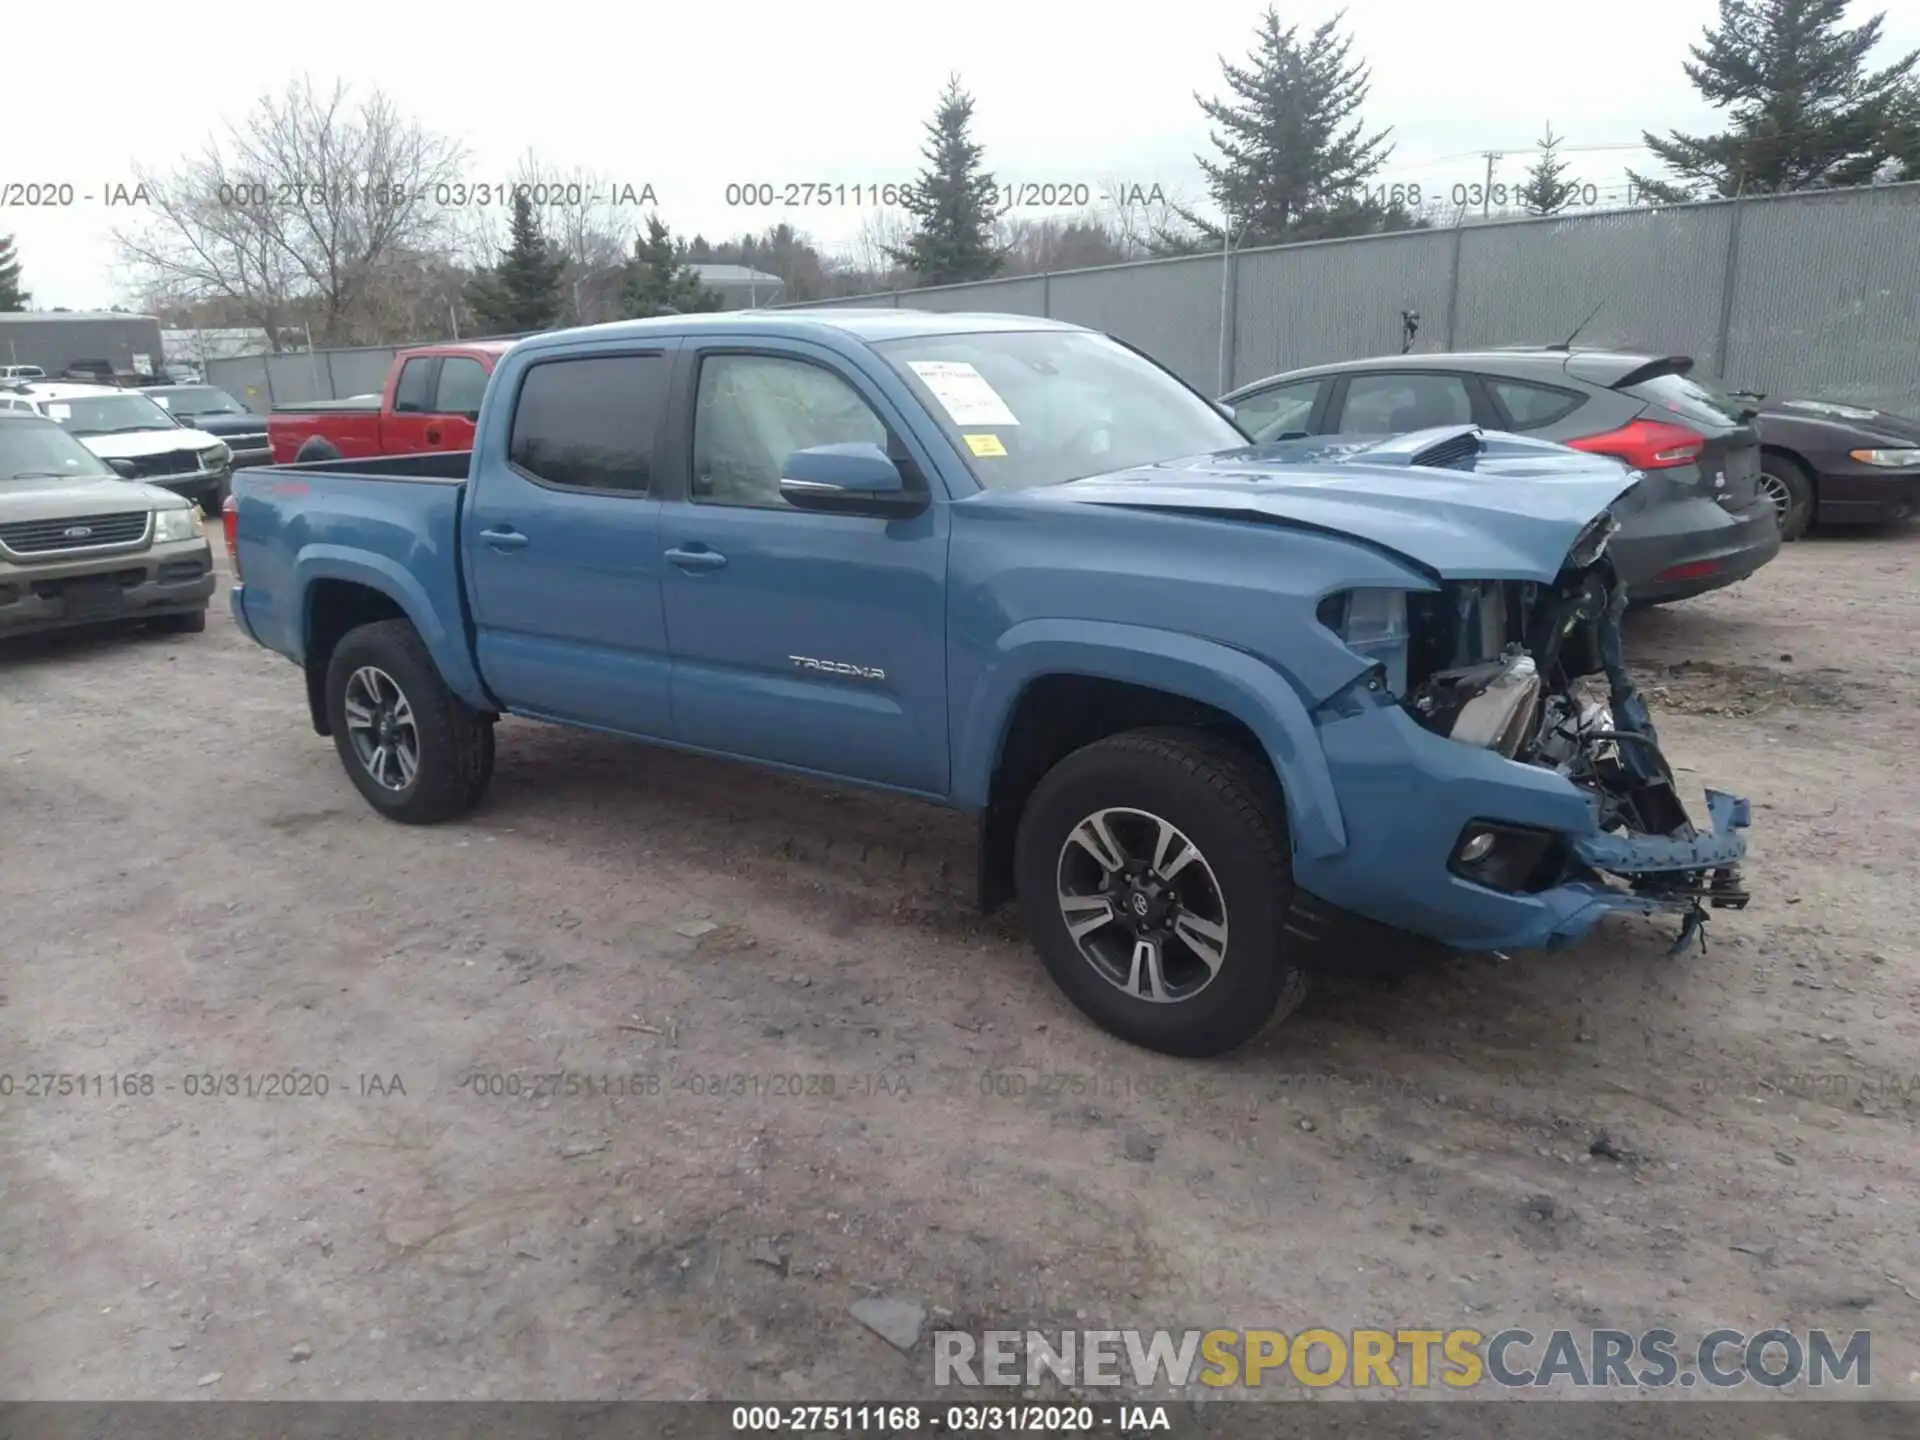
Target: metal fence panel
1169,308
358,372
1339,300
1656,276
1827,297
245,379
1023,295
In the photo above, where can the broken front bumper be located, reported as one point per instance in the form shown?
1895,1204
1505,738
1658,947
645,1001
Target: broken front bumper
1667,876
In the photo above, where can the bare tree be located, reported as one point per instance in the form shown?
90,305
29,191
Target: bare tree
1144,220
297,209
881,233
590,219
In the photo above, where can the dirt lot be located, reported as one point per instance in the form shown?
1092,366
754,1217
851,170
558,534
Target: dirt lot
193,889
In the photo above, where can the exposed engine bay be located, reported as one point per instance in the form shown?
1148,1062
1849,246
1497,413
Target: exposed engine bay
1535,673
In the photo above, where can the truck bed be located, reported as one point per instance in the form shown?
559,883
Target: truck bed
392,522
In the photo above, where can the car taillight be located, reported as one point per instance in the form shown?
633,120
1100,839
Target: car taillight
230,523
1647,444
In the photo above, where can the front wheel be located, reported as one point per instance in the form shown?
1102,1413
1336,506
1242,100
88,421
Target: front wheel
414,749
1153,872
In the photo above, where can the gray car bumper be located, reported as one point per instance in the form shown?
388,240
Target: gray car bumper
1674,551
167,579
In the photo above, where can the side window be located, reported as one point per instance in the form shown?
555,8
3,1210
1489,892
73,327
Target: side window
1274,412
1531,406
591,422
410,396
462,382
753,411
1393,404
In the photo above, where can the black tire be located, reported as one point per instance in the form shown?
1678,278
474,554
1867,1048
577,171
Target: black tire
316,447
1230,808
192,623
215,498
454,741
1792,478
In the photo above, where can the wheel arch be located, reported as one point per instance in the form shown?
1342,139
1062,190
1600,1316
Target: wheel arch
1058,686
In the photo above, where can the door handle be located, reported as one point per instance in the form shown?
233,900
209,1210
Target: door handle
697,559
505,538
433,434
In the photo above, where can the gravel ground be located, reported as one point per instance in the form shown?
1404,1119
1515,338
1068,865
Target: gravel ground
194,890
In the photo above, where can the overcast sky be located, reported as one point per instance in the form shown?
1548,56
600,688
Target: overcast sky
690,98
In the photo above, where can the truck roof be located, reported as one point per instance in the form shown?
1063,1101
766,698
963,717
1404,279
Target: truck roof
869,323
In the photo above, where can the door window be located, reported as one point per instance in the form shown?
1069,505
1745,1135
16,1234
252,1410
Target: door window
1531,406
590,423
462,382
416,383
1393,404
1274,412
753,411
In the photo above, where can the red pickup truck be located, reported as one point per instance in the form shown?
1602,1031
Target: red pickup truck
430,402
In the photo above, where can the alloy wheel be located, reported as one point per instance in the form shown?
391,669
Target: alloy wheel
1779,494
1142,905
381,728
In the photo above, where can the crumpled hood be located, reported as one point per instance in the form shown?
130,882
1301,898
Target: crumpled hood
1515,522
138,444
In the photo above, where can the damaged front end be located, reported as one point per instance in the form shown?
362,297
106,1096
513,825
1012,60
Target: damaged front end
1534,672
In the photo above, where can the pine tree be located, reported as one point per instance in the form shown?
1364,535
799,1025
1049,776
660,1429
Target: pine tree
12,297
1805,110
952,201
522,292
658,280
1295,158
1902,142
1546,191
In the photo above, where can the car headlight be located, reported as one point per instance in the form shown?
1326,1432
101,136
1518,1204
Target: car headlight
213,459
1887,458
181,524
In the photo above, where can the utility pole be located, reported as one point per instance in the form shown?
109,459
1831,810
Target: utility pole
1493,157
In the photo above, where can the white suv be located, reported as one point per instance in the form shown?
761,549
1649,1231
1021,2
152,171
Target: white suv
22,372
134,435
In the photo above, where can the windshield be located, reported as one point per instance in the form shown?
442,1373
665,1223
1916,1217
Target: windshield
35,450
107,414
1041,407
199,402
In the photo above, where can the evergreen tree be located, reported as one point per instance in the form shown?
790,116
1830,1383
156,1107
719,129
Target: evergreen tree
952,201
522,292
658,280
1295,158
12,297
1547,191
1903,135
1805,110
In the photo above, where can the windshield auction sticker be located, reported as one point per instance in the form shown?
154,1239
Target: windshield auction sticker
963,392
985,445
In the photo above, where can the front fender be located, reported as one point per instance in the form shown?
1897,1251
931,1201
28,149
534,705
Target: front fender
447,646
1213,674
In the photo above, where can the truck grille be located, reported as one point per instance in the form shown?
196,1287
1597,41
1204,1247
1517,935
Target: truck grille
78,532
174,462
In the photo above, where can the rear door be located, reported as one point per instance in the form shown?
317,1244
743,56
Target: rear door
562,540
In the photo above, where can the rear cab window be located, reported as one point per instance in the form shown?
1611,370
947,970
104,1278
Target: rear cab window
590,423
411,395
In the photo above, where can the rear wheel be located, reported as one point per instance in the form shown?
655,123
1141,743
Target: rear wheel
414,749
1785,482
1153,873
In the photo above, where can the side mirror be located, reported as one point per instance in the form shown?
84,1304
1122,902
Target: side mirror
125,469
856,479
1225,409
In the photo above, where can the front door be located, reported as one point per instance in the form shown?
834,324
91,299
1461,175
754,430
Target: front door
562,543
456,404
805,639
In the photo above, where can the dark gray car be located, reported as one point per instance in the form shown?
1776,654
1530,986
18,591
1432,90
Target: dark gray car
1697,522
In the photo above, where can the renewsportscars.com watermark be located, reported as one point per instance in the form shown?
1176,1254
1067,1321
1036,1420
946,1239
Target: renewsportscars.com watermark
1401,1359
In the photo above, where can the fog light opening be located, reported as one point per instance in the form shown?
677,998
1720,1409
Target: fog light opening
1476,846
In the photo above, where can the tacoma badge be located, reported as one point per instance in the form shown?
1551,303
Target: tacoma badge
838,667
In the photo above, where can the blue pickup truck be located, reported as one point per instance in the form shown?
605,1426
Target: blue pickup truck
1225,718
